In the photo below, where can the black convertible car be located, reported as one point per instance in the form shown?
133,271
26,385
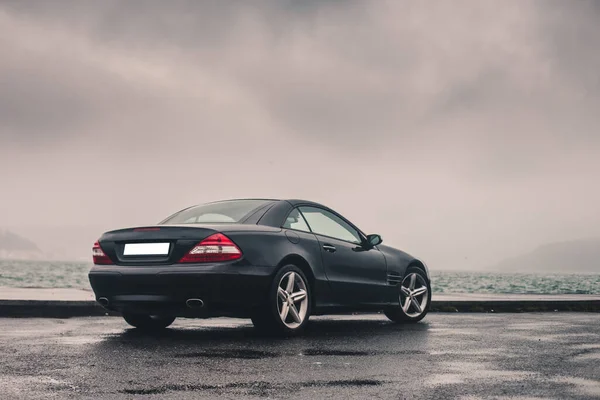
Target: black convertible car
274,261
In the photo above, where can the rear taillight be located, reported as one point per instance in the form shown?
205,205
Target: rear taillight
214,248
98,255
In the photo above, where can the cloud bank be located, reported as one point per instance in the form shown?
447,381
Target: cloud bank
461,131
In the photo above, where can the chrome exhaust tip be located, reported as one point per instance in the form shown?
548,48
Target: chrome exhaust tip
103,301
194,303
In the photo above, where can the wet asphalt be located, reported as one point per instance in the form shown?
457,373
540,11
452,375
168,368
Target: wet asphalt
464,356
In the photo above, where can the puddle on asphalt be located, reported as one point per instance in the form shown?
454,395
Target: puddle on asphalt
224,322
56,383
586,346
255,354
445,379
536,326
479,352
586,387
262,388
485,371
246,354
559,337
22,333
329,352
80,340
355,353
461,372
504,375
587,357
17,386
454,331
507,398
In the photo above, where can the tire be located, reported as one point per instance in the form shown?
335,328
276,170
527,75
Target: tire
148,322
285,312
414,280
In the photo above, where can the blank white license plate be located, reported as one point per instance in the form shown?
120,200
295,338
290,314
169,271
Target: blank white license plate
146,249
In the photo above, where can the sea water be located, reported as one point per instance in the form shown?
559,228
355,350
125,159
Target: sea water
55,274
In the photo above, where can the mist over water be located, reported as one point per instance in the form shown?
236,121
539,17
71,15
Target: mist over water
463,133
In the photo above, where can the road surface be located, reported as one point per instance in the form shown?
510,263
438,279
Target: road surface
463,356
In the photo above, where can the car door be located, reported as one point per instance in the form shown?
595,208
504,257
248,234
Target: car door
357,274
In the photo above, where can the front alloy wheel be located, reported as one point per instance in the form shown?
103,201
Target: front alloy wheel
414,298
288,305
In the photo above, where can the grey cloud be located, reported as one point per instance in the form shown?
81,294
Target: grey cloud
333,69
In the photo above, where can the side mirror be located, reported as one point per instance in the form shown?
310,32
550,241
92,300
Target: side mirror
374,240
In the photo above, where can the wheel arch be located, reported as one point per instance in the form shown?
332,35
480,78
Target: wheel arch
300,262
416,263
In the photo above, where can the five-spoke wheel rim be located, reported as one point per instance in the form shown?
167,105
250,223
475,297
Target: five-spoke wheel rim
292,300
414,295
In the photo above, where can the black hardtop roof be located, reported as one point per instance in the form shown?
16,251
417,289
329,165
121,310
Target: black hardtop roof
293,202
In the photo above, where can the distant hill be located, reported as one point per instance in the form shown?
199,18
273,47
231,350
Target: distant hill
572,256
15,246
54,243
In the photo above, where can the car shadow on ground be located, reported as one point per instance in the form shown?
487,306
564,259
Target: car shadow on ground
244,333
191,342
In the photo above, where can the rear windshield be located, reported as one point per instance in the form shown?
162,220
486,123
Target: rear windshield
232,211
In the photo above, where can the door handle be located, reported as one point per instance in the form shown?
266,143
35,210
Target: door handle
329,248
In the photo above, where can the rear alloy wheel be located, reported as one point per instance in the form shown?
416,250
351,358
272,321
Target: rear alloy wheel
288,308
414,298
148,322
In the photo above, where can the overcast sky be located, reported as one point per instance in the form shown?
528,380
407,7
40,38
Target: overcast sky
462,131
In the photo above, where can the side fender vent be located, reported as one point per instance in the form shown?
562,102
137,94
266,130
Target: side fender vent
394,278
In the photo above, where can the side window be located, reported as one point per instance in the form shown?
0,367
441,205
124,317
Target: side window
328,224
295,221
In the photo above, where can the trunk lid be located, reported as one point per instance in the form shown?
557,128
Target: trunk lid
152,245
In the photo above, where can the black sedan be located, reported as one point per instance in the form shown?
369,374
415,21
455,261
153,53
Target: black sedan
274,261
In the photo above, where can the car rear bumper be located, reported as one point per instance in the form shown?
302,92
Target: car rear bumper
224,289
